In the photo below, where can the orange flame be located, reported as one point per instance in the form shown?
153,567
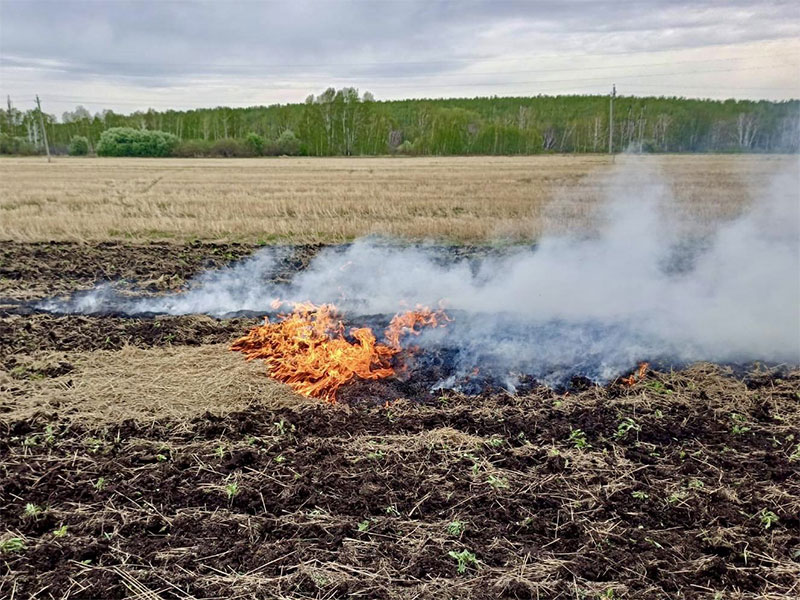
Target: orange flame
638,376
308,350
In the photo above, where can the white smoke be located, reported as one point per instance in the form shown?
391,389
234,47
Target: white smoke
641,287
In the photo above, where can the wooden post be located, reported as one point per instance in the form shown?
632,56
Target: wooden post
44,131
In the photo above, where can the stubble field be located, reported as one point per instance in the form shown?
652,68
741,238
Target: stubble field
139,458
473,199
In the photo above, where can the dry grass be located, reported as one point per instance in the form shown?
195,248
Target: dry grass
144,384
338,199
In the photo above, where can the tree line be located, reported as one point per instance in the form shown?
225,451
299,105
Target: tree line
346,123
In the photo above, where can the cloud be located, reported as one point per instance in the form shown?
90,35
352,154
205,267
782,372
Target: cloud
289,49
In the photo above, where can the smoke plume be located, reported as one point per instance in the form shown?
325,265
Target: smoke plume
644,285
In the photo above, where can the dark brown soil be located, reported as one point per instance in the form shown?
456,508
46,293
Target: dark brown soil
42,332
45,269
673,492
685,485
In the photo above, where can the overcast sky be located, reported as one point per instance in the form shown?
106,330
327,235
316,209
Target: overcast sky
129,55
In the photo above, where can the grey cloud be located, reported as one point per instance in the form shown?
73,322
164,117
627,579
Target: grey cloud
187,39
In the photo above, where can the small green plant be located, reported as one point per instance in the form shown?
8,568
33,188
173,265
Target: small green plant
232,490
363,525
100,484
640,495
677,497
795,456
495,441
392,511
219,451
60,532
284,427
578,439
768,518
696,484
93,445
739,426
465,559
14,544
377,455
657,387
498,483
455,528
31,511
627,424
280,459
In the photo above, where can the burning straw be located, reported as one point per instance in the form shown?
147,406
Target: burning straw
308,349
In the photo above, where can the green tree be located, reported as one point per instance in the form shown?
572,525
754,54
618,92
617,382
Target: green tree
78,146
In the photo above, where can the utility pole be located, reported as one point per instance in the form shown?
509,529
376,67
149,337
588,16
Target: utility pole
611,121
44,131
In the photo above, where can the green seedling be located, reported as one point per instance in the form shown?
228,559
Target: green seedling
768,518
696,484
219,451
363,525
31,511
739,426
392,511
495,441
657,387
100,484
677,497
498,483
94,445
578,439
465,559
627,424
795,456
231,490
13,544
377,455
60,532
284,427
455,528
639,495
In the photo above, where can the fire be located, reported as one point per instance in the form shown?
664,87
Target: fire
638,376
308,349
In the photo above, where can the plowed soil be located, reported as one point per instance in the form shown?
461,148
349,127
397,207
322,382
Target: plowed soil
684,485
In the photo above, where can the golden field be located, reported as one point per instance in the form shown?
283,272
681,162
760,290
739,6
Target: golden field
458,199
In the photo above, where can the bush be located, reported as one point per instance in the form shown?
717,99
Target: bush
192,149
78,146
126,141
230,148
17,145
405,148
256,143
288,143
